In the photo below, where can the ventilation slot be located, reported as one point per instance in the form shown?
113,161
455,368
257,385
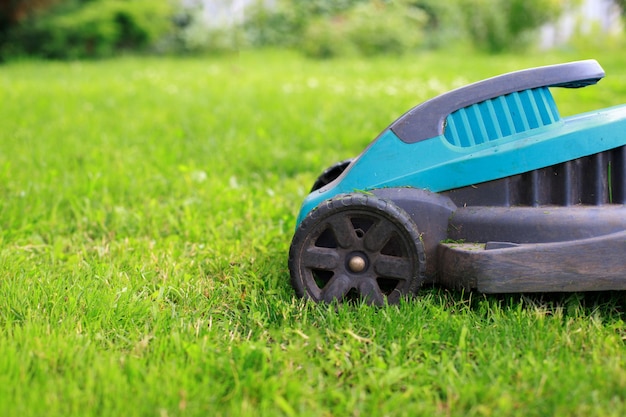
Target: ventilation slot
593,180
500,117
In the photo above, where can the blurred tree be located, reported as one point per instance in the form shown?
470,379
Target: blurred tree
12,12
371,28
499,25
284,22
71,29
491,25
91,28
444,22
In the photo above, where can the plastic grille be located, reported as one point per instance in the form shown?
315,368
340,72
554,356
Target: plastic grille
500,117
593,180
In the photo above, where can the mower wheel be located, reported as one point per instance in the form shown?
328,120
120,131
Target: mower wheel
357,246
330,174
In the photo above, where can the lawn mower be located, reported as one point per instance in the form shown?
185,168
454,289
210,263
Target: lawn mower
484,188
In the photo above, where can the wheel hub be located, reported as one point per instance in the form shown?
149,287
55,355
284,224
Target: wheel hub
357,263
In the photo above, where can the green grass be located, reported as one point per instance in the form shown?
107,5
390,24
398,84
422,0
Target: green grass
146,211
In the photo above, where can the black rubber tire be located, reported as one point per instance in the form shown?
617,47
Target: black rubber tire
330,174
352,226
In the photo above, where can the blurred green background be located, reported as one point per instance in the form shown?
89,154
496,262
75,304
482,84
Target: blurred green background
72,29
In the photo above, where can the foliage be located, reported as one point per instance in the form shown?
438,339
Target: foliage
327,38
377,26
298,24
369,29
284,23
146,209
78,29
279,25
196,38
444,25
320,28
595,37
499,25
197,31
12,11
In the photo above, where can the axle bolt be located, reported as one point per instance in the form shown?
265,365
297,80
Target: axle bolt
356,264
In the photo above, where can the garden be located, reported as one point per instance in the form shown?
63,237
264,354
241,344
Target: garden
147,204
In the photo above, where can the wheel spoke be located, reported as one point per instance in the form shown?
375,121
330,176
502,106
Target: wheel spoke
369,290
343,230
336,288
393,267
378,235
320,258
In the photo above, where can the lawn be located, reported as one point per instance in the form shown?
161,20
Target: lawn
146,211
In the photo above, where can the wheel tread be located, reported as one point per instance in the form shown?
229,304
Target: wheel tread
344,202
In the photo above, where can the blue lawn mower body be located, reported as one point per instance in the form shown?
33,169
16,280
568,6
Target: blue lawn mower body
485,187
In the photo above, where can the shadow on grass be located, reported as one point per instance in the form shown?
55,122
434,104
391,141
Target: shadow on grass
609,305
